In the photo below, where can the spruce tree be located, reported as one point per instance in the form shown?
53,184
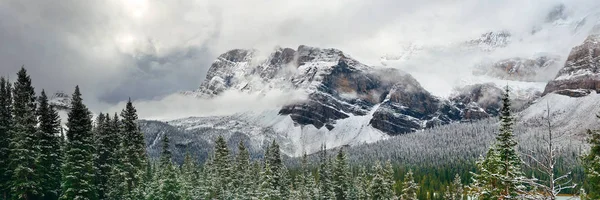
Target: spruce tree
363,184
409,189
117,184
222,170
268,186
78,168
510,163
190,179
341,176
325,182
591,163
243,180
455,190
499,173
133,152
5,126
168,186
24,147
107,145
50,146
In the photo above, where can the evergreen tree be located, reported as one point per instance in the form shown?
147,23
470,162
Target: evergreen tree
5,126
268,186
273,157
380,184
117,185
363,185
591,163
190,179
389,179
409,189
510,163
499,173
78,168
24,147
341,176
325,184
168,186
222,170
304,184
243,180
133,152
50,146
106,147
454,191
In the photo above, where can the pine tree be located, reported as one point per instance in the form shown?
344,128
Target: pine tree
591,162
50,146
388,171
409,189
5,126
168,186
325,182
243,180
455,190
510,163
363,185
500,174
190,179
24,149
117,184
107,145
222,170
378,189
78,168
268,186
273,157
341,176
133,152
304,184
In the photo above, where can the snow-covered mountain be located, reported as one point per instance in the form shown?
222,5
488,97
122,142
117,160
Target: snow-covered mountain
346,101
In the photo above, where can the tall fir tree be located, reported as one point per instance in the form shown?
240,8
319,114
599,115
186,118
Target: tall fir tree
325,183
273,157
190,179
455,190
341,176
133,149
510,163
243,180
107,145
363,184
379,184
168,185
50,146
222,170
117,184
5,126
78,169
409,189
24,147
591,163
499,173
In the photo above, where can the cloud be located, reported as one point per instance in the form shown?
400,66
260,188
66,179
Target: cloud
148,49
178,106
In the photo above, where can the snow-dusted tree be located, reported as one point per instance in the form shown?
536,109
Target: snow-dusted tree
107,145
409,187
269,190
167,181
591,163
500,174
190,179
304,187
5,124
363,184
222,172
273,157
546,161
49,141
24,149
325,180
133,149
455,190
379,184
243,179
78,168
389,178
341,176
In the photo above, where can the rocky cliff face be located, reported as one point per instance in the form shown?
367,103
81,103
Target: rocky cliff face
581,73
521,69
339,87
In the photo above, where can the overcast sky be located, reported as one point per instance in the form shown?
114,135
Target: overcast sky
146,49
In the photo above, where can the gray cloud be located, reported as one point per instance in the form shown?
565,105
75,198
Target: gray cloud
147,49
